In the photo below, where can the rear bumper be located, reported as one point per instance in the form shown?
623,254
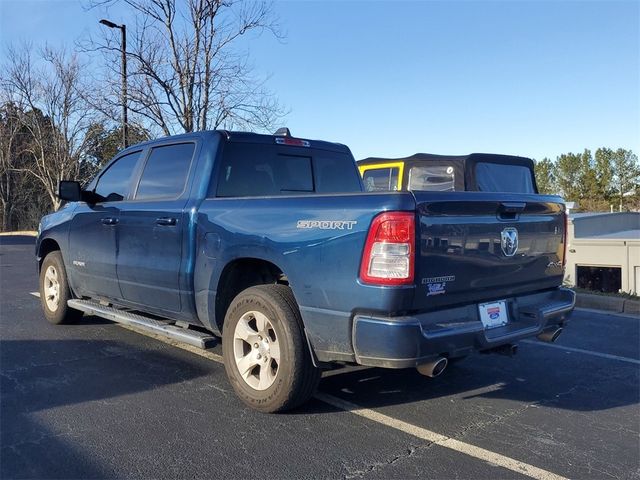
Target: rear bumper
408,341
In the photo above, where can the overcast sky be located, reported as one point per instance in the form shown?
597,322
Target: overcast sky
392,78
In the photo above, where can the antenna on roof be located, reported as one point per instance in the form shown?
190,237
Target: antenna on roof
283,132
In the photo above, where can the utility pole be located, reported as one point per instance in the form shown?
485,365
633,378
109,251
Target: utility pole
123,92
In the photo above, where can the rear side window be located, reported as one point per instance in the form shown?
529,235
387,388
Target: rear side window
113,185
335,173
499,177
432,178
381,179
165,173
256,170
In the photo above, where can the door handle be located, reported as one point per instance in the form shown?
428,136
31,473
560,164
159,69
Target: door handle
166,221
109,221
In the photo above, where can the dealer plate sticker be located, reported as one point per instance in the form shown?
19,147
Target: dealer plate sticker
494,314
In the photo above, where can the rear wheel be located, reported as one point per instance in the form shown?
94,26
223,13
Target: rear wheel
55,291
265,353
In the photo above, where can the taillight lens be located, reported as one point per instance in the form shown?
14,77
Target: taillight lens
389,250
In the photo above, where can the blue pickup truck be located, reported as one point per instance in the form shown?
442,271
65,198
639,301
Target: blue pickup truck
270,243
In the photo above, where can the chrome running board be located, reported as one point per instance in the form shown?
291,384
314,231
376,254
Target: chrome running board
166,328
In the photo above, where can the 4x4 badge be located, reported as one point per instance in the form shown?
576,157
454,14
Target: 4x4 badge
509,241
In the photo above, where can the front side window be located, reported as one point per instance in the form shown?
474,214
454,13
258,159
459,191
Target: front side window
381,179
113,185
165,173
432,178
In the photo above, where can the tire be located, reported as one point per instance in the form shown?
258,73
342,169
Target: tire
265,378
55,291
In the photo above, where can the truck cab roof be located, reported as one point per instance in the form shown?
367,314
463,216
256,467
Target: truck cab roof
246,137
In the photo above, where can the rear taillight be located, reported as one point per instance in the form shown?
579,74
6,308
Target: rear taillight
389,250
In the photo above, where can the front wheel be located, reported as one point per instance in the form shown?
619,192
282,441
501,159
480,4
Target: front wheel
265,353
55,291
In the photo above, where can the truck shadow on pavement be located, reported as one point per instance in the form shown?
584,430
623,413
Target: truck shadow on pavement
534,377
43,374
94,377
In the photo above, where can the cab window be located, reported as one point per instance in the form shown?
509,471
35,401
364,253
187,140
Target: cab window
257,170
166,171
113,185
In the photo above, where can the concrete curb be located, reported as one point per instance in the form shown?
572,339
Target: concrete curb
608,303
29,233
632,307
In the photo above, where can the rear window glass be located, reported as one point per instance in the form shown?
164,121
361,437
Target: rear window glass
381,179
500,177
335,173
165,172
255,170
291,174
432,178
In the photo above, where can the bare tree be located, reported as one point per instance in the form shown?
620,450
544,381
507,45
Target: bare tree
55,113
185,70
10,129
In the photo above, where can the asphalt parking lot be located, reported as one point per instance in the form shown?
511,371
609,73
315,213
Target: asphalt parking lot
96,400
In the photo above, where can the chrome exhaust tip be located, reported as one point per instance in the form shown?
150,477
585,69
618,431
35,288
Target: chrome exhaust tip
551,335
433,368
510,350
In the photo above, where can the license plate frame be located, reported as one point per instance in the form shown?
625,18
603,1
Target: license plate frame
494,314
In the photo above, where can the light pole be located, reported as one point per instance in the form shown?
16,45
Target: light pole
123,49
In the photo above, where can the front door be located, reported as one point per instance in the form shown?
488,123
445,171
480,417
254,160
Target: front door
152,230
93,231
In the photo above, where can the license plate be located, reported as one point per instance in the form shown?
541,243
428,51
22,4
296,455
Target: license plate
493,314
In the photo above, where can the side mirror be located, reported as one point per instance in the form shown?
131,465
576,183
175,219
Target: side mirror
69,191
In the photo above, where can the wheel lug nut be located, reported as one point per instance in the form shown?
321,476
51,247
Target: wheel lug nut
255,345
258,356
259,337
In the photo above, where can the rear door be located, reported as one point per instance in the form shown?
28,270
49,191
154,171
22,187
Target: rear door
93,230
484,246
152,229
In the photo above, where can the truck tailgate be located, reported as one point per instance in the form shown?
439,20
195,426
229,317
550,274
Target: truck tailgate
486,246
